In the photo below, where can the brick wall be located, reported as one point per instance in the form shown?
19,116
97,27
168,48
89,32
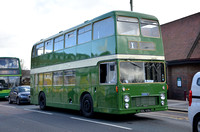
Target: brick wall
186,73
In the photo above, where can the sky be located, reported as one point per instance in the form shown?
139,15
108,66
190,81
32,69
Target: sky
25,22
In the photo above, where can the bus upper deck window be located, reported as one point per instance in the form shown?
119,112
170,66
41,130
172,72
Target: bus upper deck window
48,46
40,49
150,28
128,26
103,28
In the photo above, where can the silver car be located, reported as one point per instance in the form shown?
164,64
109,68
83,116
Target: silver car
20,94
194,103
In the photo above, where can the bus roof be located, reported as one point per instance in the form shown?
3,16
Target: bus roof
9,58
109,14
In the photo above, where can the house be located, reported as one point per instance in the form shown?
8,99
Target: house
181,39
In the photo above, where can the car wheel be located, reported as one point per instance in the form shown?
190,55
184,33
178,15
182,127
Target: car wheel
9,100
87,106
196,125
42,101
18,101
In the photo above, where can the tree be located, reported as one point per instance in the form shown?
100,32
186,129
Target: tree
22,65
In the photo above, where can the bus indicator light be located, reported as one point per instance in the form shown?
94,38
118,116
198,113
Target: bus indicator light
116,88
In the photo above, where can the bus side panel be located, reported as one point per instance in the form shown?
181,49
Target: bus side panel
32,90
107,98
105,46
94,81
83,83
4,93
83,51
57,94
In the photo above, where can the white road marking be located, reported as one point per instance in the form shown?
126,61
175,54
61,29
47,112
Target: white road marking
39,111
101,123
7,106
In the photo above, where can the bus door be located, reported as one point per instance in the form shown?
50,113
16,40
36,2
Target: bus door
106,94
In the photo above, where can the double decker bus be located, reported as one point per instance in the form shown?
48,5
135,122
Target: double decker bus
10,74
111,64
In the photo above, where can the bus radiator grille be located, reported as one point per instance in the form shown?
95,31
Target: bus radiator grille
144,101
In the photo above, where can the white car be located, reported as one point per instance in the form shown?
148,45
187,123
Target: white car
194,103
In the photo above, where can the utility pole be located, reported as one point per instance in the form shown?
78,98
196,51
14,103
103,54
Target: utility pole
131,4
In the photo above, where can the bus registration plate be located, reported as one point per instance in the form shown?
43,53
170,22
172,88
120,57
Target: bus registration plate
145,110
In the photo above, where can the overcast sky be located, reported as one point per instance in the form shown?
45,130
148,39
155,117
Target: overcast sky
24,22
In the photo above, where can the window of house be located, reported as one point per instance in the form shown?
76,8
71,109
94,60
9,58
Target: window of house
103,28
58,78
84,34
48,46
108,73
59,43
70,39
69,77
48,79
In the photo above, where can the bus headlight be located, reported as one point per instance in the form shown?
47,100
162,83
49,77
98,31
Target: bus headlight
126,98
126,105
162,96
162,103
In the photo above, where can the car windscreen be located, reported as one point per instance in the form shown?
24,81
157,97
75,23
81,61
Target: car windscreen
24,89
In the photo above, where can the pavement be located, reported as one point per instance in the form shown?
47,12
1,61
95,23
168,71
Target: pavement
177,105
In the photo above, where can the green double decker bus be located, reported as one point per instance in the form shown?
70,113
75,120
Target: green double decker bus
10,75
111,64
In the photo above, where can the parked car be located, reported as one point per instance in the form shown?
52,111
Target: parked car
194,103
20,94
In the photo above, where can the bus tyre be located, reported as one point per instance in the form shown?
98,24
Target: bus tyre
87,106
42,101
196,125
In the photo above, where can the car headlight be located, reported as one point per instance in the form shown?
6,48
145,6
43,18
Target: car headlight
126,98
162,96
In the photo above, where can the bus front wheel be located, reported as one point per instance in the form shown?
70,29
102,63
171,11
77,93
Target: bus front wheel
42,101
87,106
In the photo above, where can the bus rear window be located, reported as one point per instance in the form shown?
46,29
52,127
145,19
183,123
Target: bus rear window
9,63
150,28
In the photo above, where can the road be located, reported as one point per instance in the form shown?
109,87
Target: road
29,118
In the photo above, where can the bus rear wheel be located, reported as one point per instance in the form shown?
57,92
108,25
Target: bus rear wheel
42,101
87,106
